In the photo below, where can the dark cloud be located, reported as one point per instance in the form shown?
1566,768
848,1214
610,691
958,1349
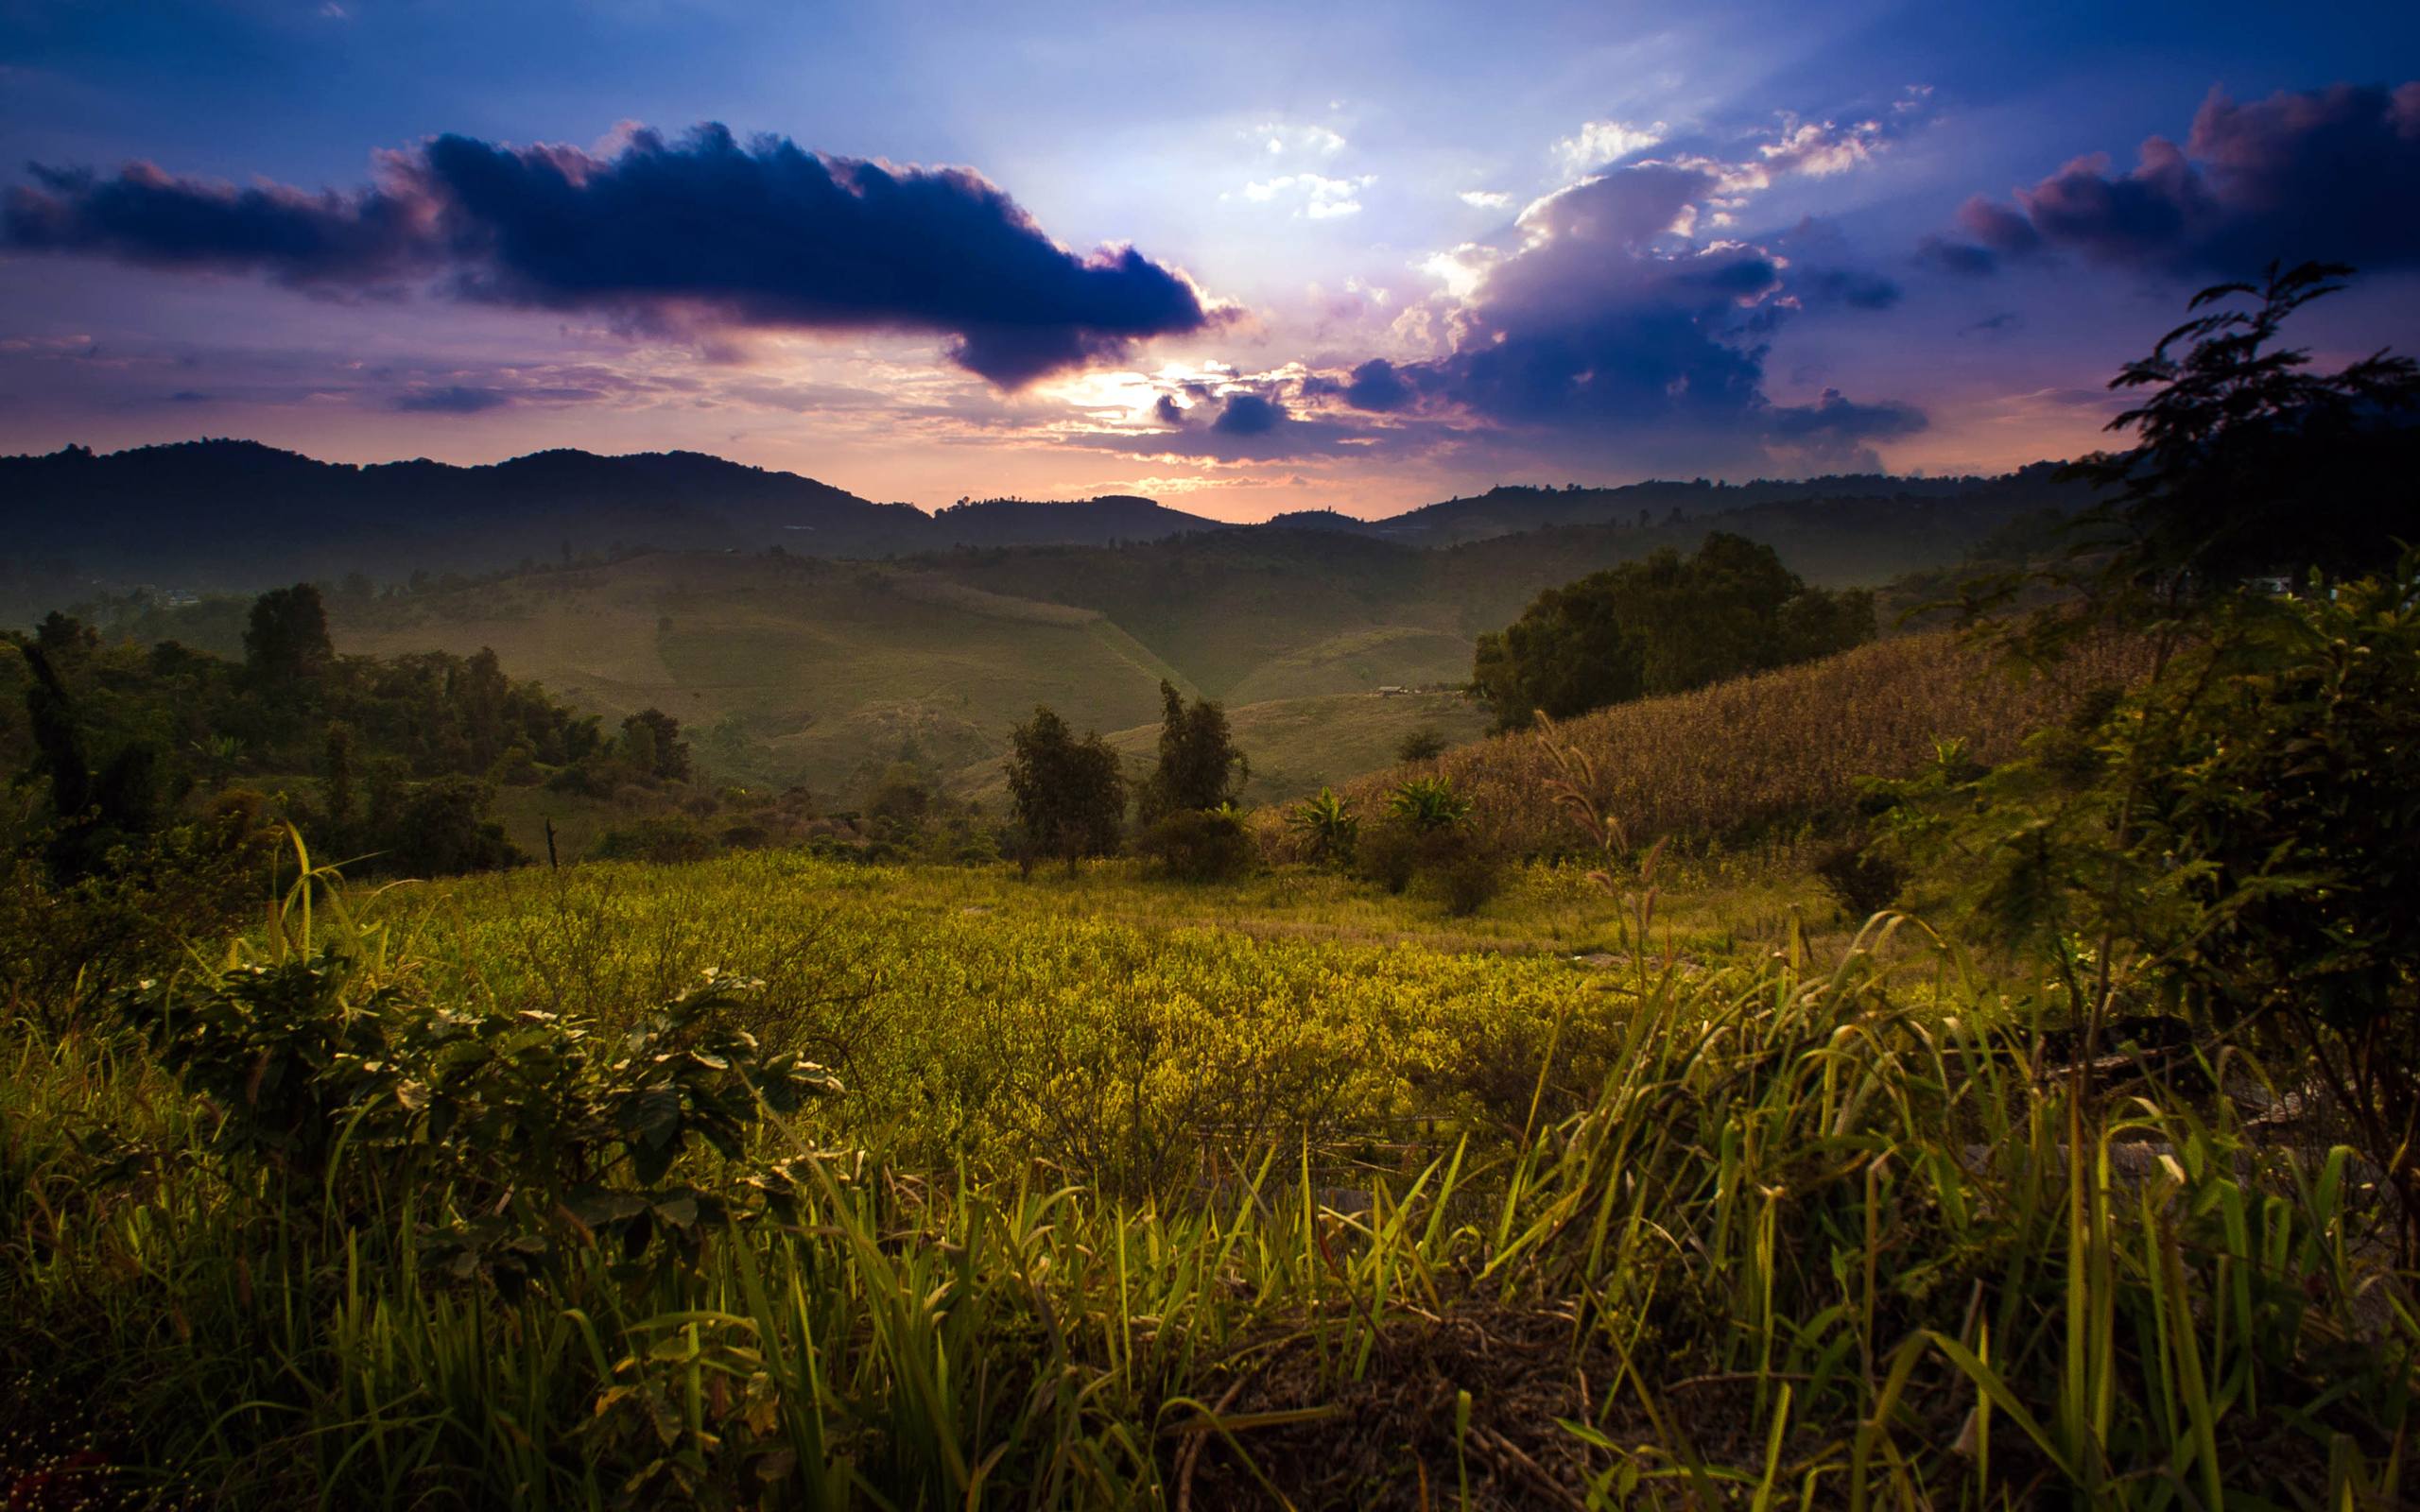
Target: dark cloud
1378,386
1168,410
453,398
1248,414
1840,286
1993,325
2330,174
699,234
1837,417
147,216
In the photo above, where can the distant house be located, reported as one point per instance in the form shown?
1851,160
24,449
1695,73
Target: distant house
1392,691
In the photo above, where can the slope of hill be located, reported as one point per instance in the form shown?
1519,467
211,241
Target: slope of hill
1793,744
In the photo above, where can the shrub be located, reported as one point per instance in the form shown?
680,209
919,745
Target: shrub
1864,881
1427,803
1469,880
1328,824
1389,856
1199,845
663,840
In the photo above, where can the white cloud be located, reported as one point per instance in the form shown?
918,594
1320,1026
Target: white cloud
1460,269
1320,197
1599,143
1486,199
1315,141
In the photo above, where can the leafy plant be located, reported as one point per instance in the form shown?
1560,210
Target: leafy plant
1427,803
1327,823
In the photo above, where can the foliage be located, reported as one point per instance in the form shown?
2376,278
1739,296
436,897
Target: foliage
1069,795
663,839
1424,804
2230,841
547,1134
154,899
1422,745
654,746
285,641
1199,845
1663,624
1864,881
1198,765
1328,824
2244,462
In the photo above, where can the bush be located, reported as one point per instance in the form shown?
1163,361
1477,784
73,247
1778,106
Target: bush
1199,845
1328,825
663,840
1470,880
1389,856
1863,882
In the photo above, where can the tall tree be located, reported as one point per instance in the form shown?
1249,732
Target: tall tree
1069,795
286,640
1198,765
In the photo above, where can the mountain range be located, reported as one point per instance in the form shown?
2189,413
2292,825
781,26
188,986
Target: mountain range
234,515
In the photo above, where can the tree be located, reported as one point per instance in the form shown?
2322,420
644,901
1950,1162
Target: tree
651,743
1198,765
1664,624
2245,464
286,640
1425,744
1068,794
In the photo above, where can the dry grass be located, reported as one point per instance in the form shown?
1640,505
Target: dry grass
1779,749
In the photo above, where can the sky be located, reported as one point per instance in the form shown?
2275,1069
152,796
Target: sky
1242,258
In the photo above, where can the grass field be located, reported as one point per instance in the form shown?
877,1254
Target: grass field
1141,1195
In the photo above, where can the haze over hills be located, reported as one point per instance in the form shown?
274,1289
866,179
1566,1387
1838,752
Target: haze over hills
239,516
806,635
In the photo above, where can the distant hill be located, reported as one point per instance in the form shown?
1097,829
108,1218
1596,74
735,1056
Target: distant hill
877,633
1041,522
237,516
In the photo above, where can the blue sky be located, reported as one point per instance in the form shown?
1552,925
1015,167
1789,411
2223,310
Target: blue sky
1589,242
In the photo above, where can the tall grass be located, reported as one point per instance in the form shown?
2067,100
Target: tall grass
1774,749
1822,1233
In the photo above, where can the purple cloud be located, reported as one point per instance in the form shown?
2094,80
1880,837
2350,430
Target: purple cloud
699,232
2330,174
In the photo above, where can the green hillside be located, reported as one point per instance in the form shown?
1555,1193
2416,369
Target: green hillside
1296,746
790,670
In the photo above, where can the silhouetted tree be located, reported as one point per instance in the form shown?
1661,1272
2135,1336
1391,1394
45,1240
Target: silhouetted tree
2245,463
1425,744
286,640
1069,795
